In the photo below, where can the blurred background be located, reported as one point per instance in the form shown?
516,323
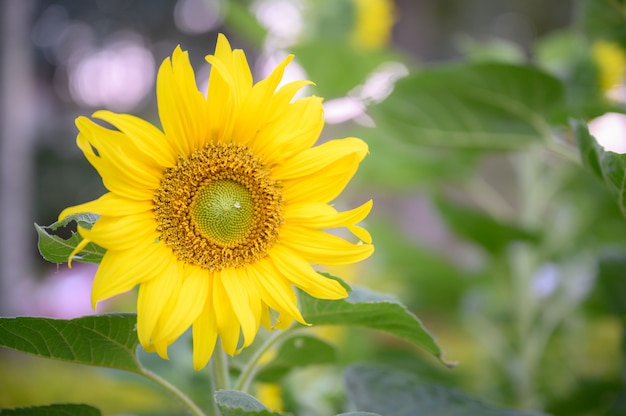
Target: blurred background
456,229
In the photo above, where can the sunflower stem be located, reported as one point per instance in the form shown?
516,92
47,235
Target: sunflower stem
174,391
219,368
250,370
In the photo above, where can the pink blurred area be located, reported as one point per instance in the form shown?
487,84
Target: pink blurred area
64,294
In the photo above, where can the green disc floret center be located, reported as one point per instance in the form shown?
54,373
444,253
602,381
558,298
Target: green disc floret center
224,211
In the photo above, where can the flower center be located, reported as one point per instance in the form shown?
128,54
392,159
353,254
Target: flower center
219,208
224,211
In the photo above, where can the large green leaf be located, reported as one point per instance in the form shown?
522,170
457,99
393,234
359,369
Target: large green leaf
100,340
395,393
476,226
238,403
53,410
609,166
57,241
479,106
371,310
395,164
297,352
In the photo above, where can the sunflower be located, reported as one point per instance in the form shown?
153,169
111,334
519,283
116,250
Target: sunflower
219,215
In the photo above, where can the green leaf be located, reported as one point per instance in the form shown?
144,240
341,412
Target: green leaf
609,166
100,340
478,106
239,18
611,283
53,410
297,352
237,403
491,234
350,67
57,241
602,19
370,310
567,55
395,393
396,164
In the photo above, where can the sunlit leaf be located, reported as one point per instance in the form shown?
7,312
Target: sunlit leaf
237,403
57,241
297,352
371,310
53,410
100,340
479,106
395,393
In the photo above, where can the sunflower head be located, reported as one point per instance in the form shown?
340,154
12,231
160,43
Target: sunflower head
222,211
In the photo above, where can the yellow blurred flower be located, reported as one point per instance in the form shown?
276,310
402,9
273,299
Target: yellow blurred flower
219,215
373,23
611,61
271,395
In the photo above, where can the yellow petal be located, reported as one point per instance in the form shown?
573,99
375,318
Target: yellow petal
275,290
161,349
109,204
318,215
254,111
324,186
79,247
233,281
315,159
235,65
361,233
295,128
121,233
229,85
148,139
323,248
182,107
114,157
204,333
286,93
227,322
152,297
266,319
187,306
120,271
301,274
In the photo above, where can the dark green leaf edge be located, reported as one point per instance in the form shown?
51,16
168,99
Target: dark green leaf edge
608,166
59,409
371,310
57,249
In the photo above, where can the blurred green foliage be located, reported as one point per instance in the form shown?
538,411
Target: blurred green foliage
498,220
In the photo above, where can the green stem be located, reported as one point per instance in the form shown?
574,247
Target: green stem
219,368
531,176
249,371
564,150
174,391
